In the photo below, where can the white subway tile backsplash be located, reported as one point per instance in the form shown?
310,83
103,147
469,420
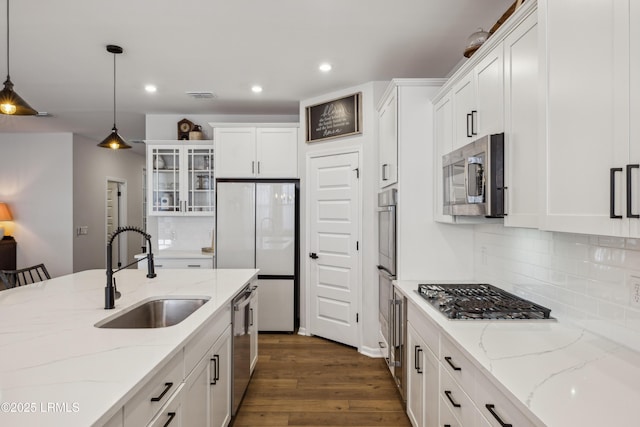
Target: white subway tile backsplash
583,279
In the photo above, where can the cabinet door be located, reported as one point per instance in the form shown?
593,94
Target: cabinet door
443,145
220,380
164,180
463,98
235,152
634,93
415,382
198,181
277,152
388,141
253,328
522,144
489,76
196,391
587,116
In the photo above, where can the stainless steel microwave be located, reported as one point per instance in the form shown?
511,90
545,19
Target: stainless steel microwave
474,178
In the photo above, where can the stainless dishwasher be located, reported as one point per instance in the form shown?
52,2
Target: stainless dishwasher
241,345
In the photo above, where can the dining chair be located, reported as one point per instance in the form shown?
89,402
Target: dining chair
24,276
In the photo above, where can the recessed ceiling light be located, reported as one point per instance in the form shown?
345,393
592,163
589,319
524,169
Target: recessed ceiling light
151,88
256,89
325,67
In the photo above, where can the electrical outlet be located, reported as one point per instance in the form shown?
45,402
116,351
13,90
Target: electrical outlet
634,291
82,230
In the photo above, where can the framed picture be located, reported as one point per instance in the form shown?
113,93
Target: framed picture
334,119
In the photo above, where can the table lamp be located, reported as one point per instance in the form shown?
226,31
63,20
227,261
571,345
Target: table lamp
5,215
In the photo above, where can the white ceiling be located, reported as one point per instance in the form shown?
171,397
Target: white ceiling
59,63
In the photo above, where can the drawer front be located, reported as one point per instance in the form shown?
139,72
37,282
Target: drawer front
447,419
502,410
148,401
183,263
459,402
458,366
199,345
427,330
170,415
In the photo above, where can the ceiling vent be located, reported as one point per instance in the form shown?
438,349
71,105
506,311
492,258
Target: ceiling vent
201,95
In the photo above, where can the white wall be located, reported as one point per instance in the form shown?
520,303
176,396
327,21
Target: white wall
586,280
368,143
165,126
35,180
92,167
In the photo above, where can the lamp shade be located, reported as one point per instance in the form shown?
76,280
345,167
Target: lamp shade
114,141
5,213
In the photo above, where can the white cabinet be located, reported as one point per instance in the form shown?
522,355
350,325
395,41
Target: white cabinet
196,389
422,381
592,185
253,328
443,123
171,413
522,142
478,100
388,140
180,178
183,263
244,151
220,376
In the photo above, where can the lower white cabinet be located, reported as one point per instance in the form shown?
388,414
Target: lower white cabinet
253,329
220,381
196,391
171,414
422,381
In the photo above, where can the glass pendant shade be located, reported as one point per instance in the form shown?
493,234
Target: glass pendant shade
10,102
114,141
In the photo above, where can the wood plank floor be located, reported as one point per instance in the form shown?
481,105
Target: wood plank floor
309,381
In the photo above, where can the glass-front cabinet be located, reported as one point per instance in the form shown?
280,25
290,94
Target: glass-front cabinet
181,178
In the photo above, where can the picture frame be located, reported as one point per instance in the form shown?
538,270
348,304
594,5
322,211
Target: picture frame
334,119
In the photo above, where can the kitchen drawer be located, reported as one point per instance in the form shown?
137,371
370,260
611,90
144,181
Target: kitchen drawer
428,331
199,345
447,419
183,263
460,368
489,394
141,408
454,396
170,415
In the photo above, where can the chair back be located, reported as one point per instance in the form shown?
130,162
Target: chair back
24,276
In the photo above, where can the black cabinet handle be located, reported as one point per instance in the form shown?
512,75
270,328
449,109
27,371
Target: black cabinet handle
447,425
496,416
167,386
612,193
171,415
416,358
313,255
385,168
453,402
469,125
454,367
474,120
630,213
216,369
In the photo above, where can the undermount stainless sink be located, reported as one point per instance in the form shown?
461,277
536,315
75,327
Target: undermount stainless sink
155,313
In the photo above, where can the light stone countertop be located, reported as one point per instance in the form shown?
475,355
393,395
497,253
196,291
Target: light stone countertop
51,352
563,374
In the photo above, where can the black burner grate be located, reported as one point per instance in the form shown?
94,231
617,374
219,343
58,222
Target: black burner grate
480,301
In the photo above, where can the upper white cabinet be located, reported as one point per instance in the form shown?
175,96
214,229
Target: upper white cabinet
478,100
522,146
256,151
443,123
592,181
388,139
180,177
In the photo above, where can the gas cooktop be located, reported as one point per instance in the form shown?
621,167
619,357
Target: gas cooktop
480,301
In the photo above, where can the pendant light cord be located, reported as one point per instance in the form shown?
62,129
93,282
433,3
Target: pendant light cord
114,91
7,39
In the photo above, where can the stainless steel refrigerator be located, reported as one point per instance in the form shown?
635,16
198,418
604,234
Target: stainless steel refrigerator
257,227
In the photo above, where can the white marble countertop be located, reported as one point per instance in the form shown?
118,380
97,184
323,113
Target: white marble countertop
52,353
165,254
560,372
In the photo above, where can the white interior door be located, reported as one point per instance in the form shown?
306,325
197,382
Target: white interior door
333,256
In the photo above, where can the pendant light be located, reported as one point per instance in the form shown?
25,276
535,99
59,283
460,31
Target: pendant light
114,141
10,102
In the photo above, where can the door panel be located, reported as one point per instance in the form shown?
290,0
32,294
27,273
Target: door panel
334,229
275,228
235,241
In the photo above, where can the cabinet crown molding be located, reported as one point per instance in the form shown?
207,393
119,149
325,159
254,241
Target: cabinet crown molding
254,125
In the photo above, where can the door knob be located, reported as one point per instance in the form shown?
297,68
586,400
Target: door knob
313,255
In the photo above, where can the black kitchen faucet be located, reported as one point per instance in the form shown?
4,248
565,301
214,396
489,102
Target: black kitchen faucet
110,291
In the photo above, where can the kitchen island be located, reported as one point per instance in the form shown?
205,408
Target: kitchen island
554,372
59,369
